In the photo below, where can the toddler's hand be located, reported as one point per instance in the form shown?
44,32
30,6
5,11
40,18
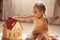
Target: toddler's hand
18,18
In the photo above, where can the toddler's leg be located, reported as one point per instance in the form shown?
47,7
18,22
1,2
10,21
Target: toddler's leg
39,37
33,36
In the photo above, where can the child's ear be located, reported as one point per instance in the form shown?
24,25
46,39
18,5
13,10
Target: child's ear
43,12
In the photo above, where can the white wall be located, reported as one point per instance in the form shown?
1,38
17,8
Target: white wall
57,13
24,7
8,10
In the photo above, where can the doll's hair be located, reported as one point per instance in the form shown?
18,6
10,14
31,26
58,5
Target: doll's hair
40,6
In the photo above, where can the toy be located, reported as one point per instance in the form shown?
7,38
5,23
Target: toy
12,30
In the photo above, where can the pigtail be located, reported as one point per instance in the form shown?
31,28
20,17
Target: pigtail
45,18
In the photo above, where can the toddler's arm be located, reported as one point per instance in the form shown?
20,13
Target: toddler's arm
21,18
45,24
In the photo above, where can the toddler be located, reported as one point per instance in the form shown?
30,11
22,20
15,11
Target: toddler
40,26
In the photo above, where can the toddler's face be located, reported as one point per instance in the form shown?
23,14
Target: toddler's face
37,13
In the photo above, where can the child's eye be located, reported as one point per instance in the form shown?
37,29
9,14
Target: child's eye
35,11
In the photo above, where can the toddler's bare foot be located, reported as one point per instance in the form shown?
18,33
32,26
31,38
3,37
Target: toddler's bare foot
29,38
54,38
